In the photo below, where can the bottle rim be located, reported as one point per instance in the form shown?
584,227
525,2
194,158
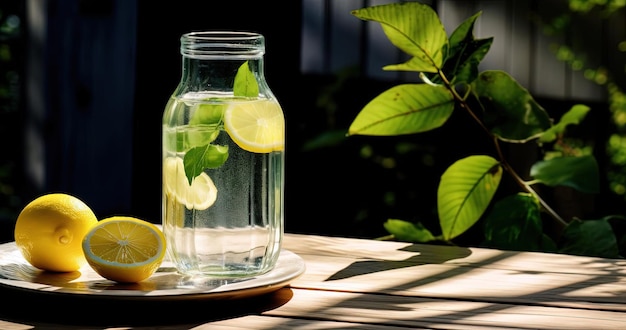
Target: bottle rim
222,44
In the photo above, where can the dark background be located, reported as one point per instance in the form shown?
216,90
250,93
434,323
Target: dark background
345,186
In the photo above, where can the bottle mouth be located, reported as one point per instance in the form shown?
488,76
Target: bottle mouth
222,44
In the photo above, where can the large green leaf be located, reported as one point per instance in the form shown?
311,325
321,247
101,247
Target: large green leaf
465,191
581,173
413,27
590,238
574,116
514,223
404,109
408,232
511,113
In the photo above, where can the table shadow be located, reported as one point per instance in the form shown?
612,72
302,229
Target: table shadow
51,311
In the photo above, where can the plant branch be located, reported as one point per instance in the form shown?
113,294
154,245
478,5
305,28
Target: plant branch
527,187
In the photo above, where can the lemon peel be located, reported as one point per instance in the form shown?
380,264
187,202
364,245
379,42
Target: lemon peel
49,231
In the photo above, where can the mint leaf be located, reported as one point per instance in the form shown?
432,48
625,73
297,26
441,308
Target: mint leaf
199,158
208,114
245,82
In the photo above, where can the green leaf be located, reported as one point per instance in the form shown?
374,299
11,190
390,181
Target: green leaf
408,232
580,173
463,34
414,64
404,109
201,136
465,191
593,238
199,158
245,82
413,27
464,56
464,68
514,223
204,124
573,117
191,137
207,114
466,53
511,113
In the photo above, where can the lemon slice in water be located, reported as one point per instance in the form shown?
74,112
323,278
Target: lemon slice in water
256,126
200,195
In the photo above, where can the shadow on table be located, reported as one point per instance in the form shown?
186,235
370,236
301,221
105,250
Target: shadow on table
43,311
424,255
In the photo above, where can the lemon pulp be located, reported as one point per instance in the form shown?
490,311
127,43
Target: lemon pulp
256,126
124,249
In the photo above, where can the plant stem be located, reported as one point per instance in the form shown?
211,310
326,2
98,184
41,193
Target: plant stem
507,167
525,185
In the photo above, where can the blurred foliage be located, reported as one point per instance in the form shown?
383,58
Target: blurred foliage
606,69
11,71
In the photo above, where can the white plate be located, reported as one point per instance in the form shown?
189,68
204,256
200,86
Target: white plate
164,284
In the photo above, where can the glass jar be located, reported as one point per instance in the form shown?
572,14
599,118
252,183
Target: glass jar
223,155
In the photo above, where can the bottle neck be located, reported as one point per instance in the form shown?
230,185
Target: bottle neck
211,61
217,75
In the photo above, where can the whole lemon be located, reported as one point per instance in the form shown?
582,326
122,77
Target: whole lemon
50,229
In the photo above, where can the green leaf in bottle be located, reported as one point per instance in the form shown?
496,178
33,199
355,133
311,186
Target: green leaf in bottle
205,124
245,82
208,114
199,158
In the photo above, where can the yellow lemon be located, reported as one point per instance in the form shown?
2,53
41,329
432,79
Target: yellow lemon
124,249
200,195
50,229
256,126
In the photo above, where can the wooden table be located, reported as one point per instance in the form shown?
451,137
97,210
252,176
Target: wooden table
367,284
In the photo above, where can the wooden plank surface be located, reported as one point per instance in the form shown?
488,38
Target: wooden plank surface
366,284
415,312
483,275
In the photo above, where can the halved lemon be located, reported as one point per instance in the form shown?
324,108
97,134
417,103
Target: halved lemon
200,195
256,126
124,249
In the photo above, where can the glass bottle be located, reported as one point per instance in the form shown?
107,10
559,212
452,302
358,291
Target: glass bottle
223,155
